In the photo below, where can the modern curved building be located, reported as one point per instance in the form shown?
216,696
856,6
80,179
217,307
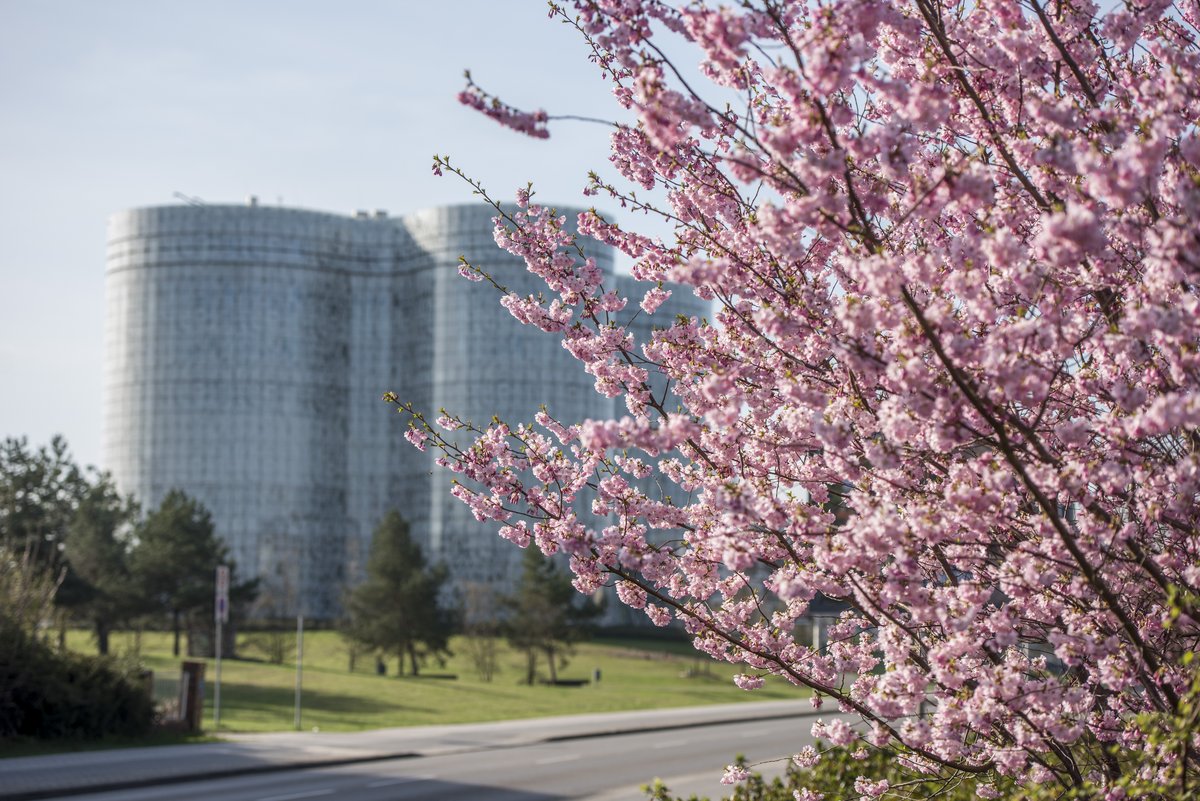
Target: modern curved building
248,348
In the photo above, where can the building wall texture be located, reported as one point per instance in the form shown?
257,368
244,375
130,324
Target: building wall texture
247,351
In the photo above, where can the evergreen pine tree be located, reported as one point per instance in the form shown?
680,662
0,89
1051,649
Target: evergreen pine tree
396,610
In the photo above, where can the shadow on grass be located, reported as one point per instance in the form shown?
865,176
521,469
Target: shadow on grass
253,697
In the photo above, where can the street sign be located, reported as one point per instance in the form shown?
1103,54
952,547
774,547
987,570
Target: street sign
222,606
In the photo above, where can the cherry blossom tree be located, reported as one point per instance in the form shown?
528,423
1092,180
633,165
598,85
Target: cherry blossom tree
954,257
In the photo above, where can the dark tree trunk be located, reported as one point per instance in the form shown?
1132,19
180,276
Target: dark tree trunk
530,666
553,667
175,626
412,659
102,636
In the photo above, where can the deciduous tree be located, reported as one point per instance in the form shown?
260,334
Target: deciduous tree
481,628
952,250
27,589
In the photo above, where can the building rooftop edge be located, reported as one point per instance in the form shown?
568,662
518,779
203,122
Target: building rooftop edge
364,215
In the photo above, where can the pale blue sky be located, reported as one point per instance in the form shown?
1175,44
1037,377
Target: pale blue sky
333,106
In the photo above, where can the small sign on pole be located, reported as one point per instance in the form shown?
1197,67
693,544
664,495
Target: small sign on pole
221,612
222,609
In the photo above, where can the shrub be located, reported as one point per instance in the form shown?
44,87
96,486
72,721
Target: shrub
46,694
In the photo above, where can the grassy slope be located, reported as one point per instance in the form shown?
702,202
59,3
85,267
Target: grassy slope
257,696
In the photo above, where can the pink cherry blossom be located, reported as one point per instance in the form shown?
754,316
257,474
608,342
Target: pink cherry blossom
949,379
734,774
529,123
748,682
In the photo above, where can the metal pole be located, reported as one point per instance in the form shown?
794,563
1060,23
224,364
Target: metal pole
299,664
221,615
217,683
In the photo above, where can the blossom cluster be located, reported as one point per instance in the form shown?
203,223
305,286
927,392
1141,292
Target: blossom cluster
531,123
950,381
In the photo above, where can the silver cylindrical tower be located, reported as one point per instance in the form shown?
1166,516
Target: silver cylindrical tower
228,344
248,348
486,363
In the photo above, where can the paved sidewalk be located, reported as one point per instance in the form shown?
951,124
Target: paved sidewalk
27,778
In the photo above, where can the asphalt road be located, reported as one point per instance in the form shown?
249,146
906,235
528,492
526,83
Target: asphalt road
609,768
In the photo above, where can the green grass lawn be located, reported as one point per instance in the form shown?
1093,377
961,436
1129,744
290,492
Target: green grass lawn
258,696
